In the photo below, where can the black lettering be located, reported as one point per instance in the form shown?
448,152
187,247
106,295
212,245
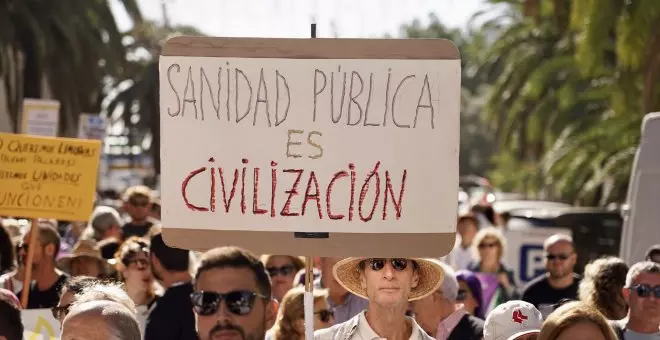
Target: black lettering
394,101
249,106
264,100
278,76
317,92
202,77
189,83
353,97
178,100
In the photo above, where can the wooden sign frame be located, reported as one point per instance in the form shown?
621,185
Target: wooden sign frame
285,243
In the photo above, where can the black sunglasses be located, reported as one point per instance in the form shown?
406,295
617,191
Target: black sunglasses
378,264
60,311
645,290
238,302
284,270
561,257
325,315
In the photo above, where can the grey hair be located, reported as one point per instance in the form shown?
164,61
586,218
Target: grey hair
102,219
122,323
449,286
639,268
106,292
556,238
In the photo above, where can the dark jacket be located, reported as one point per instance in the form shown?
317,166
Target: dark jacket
469,328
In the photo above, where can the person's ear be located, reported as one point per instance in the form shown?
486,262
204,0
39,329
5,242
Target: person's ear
50,249
271,313
415,279
626,295
363,280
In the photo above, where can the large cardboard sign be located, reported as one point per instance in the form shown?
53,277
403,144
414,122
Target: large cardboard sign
40,117
640,229
261,138
47,177
39,324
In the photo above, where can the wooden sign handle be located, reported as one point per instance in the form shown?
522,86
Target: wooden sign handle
34,238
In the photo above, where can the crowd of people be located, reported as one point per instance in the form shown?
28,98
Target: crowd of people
114,277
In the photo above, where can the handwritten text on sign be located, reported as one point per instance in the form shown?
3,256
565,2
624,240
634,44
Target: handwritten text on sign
310,145
47,177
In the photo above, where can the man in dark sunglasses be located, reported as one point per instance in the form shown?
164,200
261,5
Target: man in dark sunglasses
232,296
559,281
389,284
642,293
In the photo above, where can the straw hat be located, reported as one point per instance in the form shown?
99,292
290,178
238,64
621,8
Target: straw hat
87,248
347,273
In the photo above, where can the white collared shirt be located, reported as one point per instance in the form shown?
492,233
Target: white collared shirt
364,331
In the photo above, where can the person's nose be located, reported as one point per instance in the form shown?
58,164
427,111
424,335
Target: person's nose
223,315
388,271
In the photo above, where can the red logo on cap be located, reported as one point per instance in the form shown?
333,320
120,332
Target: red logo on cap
518,316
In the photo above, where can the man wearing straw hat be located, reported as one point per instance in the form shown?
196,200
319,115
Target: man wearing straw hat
85,260
389,284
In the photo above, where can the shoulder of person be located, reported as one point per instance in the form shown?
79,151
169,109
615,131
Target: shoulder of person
339,331
535,282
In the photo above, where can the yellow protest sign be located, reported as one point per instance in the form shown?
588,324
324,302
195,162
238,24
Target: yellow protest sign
47,177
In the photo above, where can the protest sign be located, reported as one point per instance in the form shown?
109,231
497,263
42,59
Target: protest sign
39,324
47,177
91,126
40,117
261,138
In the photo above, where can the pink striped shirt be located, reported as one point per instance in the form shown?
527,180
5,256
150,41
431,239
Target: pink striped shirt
447,325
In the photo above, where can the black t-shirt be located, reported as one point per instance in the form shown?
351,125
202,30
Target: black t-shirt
130,229
172,317
539,293
45,298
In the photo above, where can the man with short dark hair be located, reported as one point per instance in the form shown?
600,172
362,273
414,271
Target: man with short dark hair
11,325
172,316
232,295
46,279
559,282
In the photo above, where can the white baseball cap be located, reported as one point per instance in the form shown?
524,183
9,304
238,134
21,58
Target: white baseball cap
511,320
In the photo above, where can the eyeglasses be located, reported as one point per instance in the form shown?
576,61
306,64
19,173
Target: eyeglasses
284,270
141,263
560,257
325,315
462,295
378,264
484,245
60,311
237,302
645,290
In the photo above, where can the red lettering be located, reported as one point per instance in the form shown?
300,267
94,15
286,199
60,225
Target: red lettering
184,186
308,196
212,203
328,192
227,203
388,189
243,206
255,199
363,193
293,192
273,187
351,166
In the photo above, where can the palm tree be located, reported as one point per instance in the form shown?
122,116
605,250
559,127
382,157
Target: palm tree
60,49
134,103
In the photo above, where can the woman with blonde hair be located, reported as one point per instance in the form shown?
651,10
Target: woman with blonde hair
497,279
602,287
576,320
290,324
